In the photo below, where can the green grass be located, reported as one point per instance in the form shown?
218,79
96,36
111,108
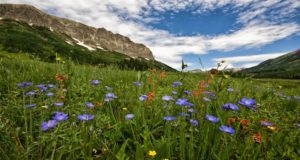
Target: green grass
110,136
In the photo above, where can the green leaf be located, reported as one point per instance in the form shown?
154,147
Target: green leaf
121,155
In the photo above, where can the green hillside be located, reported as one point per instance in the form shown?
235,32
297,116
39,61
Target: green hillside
45,45
286,66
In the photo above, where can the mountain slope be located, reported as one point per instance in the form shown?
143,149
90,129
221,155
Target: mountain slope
91,37
286,66
44,44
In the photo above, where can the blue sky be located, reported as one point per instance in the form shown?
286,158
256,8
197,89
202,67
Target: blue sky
242,32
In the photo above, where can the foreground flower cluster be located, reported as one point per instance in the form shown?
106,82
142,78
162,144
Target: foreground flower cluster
176,107
47,90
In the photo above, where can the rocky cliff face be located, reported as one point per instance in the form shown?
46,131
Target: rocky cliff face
77,32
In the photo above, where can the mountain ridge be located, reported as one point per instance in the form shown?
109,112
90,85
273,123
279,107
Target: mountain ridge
42,44
78,32
285,66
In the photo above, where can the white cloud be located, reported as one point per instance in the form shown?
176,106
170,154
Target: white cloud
248,65
248,61
130,18
252,36
250,58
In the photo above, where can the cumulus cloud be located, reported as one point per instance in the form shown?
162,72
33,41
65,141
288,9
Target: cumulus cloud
130,18
254,35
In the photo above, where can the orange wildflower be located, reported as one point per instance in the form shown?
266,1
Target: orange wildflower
209,81
257,137
60,77
196,93
153,71
231,120
162,75
245,122
150,96
149,80
201,85
62,97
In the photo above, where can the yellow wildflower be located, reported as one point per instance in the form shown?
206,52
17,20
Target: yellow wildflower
271,128
152,153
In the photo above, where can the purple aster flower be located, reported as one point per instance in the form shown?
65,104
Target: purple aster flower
248,102
95,82
265,123
230,89
40,86
212,118
184,102
85,117
30,105
211,94
137,83
192,110
298,124
174,92
230,106
181,101
24,84
177,83
227,129
187,92
194,122
184,114
110,95
51,85
206,99
89,104
169,118
188,104
167,98
143,97
31,93
43,87
50,94
206,92
59,104
60,116
48,125
129,116
108,99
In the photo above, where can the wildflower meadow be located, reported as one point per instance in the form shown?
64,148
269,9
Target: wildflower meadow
67,111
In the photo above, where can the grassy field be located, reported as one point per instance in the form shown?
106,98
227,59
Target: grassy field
153,119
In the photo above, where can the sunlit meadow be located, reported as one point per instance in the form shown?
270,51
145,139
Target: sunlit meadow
67,111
